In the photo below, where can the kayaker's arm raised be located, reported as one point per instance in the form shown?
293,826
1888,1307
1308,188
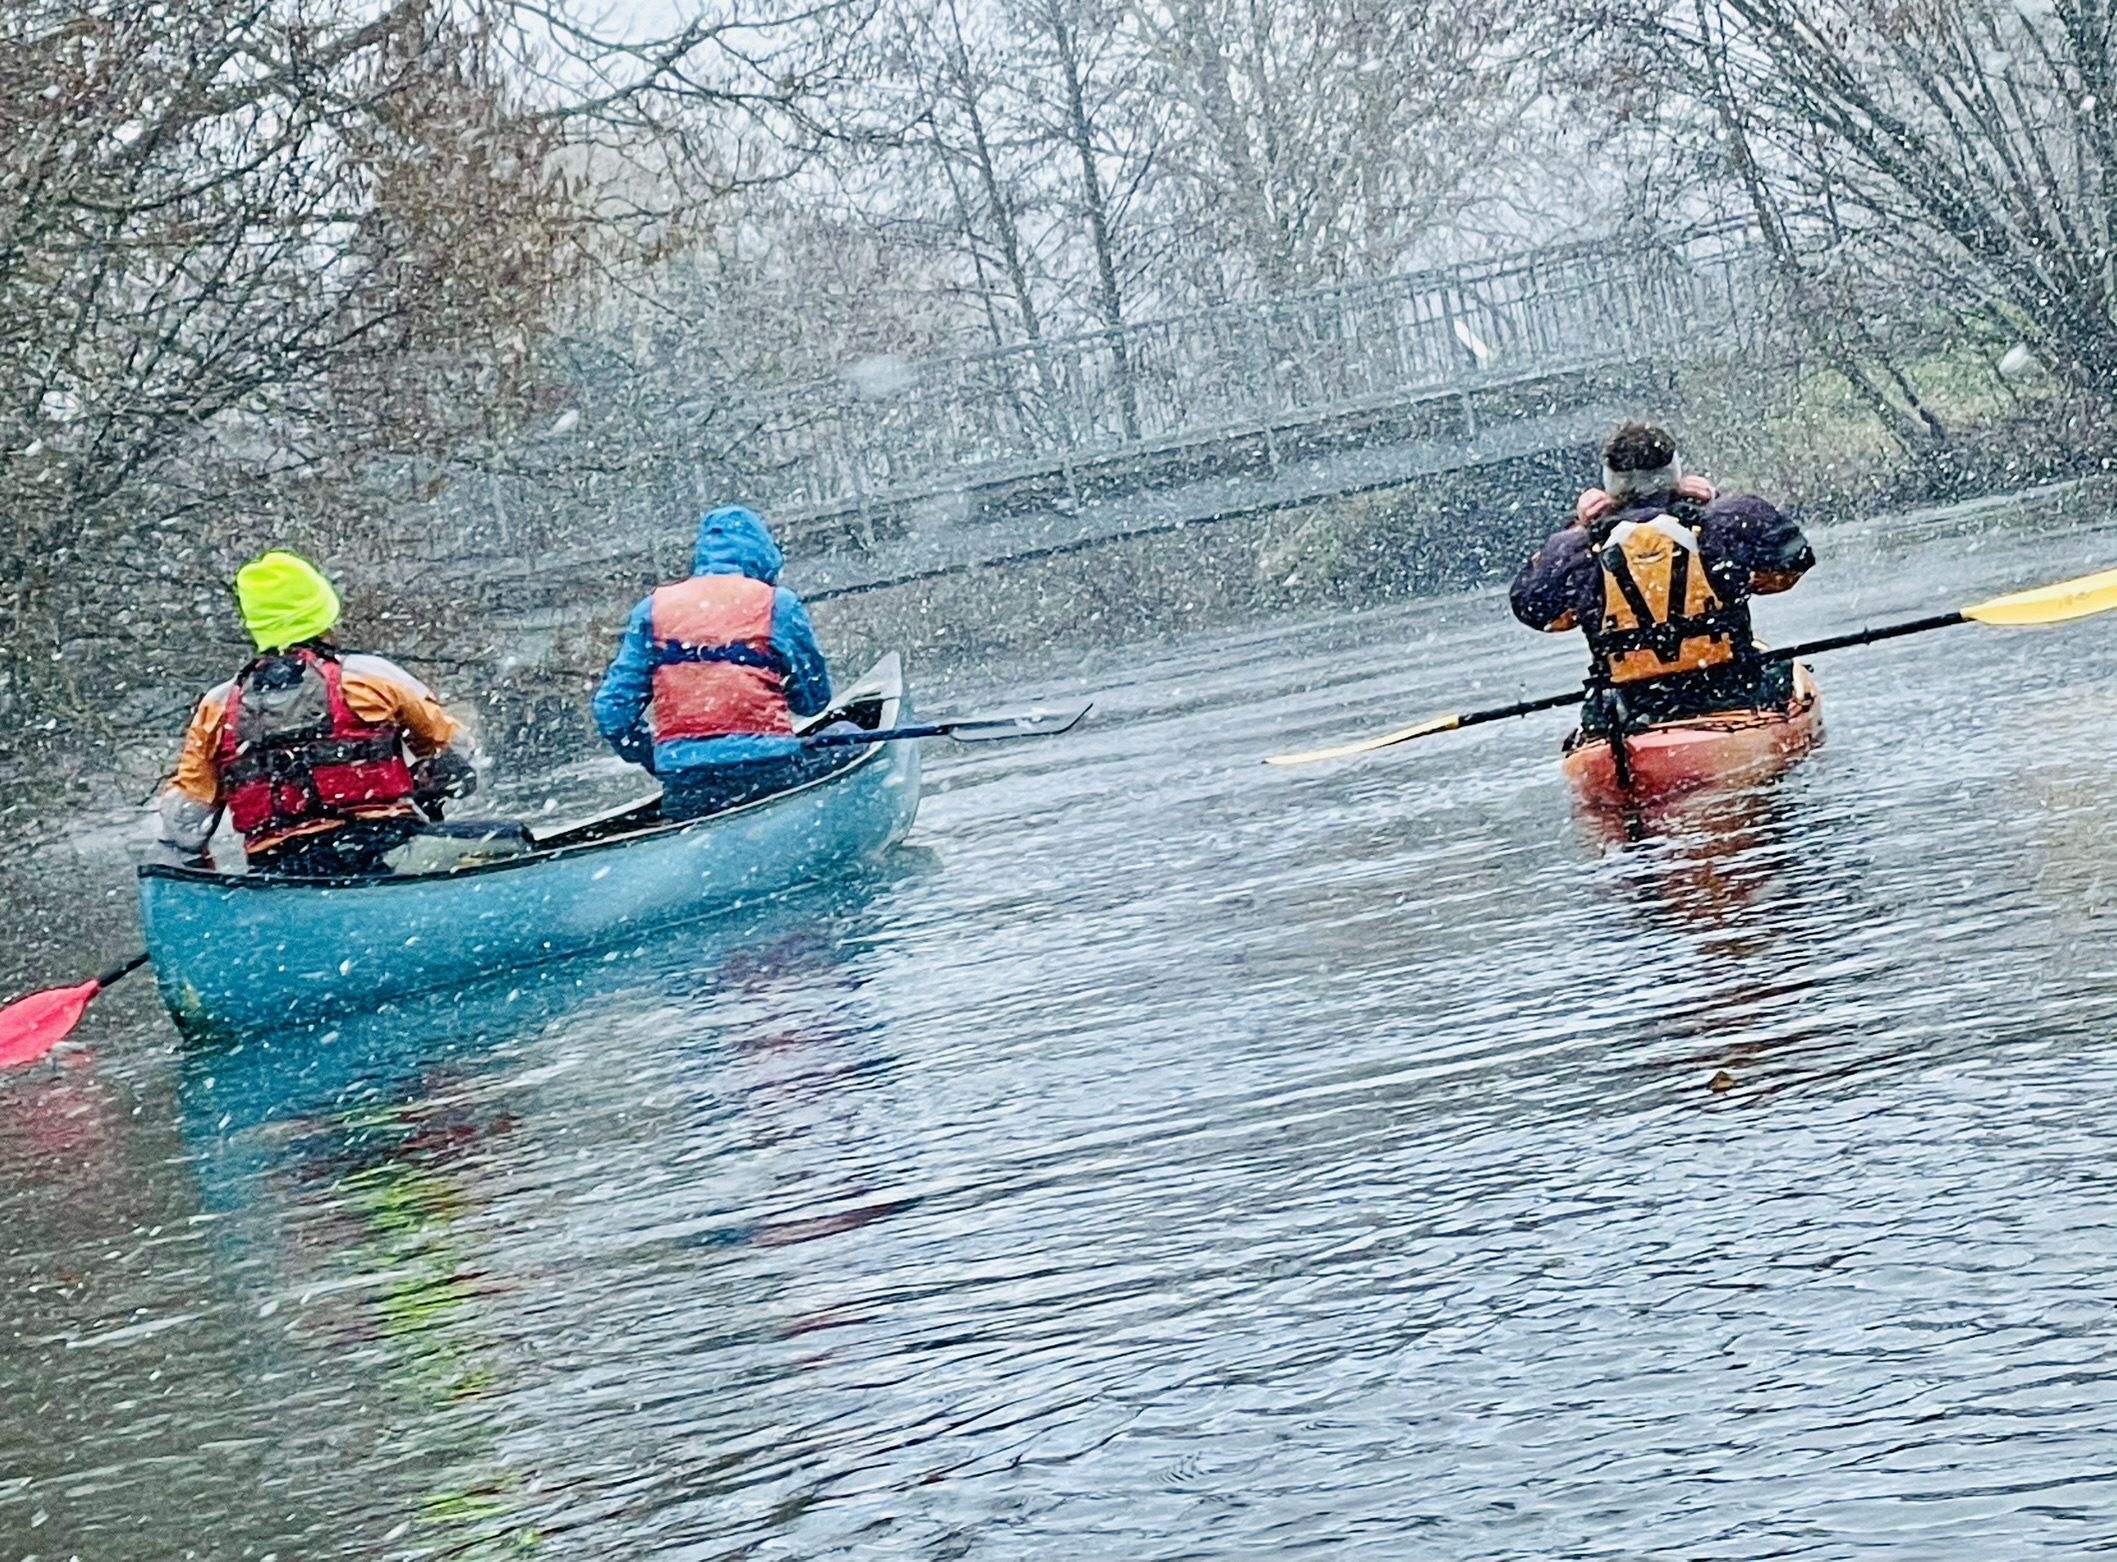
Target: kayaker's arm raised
1549,591
1755,536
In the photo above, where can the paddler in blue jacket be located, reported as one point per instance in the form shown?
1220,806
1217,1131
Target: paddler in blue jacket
1658,570
712,673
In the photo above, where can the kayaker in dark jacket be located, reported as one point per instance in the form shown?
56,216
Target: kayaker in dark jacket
713,671
1658,570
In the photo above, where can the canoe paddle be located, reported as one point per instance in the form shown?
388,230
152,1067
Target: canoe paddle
2057,603
964,729
967,729
32,1026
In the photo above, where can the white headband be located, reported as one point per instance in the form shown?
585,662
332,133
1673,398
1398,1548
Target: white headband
1626,485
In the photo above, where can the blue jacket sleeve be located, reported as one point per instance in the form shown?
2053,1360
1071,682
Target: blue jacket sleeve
808,676
621,702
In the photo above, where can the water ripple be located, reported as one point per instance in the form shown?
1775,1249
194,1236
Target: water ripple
1171,1158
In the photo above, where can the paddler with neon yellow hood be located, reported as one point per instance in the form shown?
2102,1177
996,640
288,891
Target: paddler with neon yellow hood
1658,570
318,756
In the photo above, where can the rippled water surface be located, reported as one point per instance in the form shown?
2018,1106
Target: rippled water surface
1167,1157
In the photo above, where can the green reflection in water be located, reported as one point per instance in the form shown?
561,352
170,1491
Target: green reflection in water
407,1172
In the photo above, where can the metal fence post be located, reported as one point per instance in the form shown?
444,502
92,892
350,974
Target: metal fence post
1264,377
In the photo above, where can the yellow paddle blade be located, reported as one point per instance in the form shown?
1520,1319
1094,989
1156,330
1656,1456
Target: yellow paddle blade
2054,604
1316,756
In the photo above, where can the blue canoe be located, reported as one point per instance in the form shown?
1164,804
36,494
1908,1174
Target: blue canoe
243,953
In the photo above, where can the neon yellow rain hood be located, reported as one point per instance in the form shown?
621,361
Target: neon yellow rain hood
284,600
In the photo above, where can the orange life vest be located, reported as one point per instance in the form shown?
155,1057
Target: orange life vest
1661,615
715,672
295,759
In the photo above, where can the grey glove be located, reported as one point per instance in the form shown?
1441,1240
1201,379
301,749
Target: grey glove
446,774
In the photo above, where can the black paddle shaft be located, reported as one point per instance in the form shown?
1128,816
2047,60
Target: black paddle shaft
1914,626
982,729
891,735
1525,708
122,969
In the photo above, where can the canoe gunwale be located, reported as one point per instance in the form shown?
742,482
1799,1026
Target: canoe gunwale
882,687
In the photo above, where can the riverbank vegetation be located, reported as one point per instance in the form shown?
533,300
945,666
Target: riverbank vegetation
425,288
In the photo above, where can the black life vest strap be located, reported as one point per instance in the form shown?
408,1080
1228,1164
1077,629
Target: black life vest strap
674,653
1679,583
1664,640
1620,570
296,758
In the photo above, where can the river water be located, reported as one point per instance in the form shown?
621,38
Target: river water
1167,1157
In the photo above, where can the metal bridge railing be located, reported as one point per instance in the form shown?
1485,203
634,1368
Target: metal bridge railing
837,450
839,445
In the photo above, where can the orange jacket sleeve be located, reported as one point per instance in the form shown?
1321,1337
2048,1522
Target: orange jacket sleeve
191,803
198,775
378,690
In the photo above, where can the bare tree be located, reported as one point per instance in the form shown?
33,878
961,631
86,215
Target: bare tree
964,83
1102,112
263,261
1328,138
1956,155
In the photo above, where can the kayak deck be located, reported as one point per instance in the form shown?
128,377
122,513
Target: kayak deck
1726,748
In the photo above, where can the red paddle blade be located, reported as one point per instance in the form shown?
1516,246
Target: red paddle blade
32,1026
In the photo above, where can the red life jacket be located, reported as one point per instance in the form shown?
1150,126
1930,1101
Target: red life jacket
715,672
294,756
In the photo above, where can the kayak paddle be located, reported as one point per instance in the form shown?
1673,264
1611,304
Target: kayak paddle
32,1026
1316,756
965,729
2057,603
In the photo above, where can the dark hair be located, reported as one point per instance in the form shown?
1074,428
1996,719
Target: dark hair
1639,447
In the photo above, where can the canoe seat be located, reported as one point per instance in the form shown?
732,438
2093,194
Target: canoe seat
460,843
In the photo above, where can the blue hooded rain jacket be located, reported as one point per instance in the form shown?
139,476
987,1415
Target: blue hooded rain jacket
731,541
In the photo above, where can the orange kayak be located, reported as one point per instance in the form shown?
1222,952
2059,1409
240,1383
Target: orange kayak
1727,748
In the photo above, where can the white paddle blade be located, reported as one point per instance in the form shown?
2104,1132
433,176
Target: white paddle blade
1317,756
1017,724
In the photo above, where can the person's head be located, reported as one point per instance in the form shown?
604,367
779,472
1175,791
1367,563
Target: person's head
1640,461
733,540
285,601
